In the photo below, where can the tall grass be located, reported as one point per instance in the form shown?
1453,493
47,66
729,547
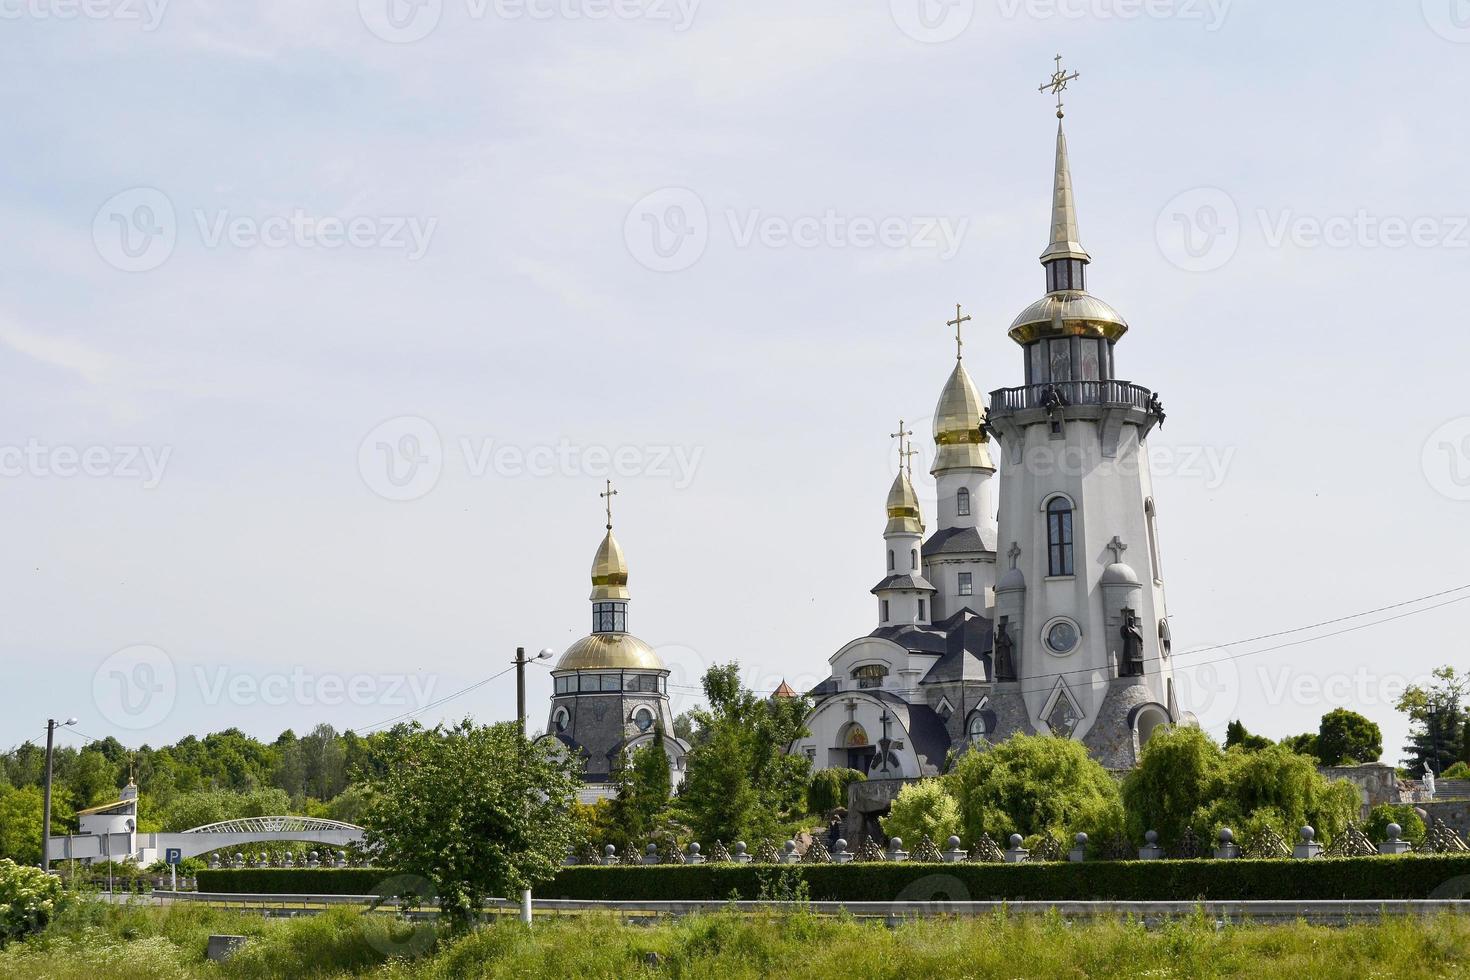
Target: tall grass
101,942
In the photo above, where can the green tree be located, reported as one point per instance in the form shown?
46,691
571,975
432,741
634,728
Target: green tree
1033,784
828,789
1176,778
90,779
922,809
642,800
1236,735
1304,744
478,812
20,825
1438,722
1347,737
1411,825
190,810
740,783
1279,789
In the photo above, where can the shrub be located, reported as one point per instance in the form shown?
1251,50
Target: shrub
1035,784
29,900
1460,770
828,789
923,809
1411,825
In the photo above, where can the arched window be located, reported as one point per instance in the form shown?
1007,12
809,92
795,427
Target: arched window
1153,539
962,501
870,675
1059,535
978,728
914,559
561,719
643,718
890,559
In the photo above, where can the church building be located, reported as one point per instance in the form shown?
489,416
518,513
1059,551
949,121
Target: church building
1036,605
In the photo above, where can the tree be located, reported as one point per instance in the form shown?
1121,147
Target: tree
476,811
1304,744
644,786
1439,722
1347,737
1176,778
20,825
923,809
828,789
740,783
1236,735
1033,784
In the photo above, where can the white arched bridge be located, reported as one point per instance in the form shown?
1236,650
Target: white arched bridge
117,839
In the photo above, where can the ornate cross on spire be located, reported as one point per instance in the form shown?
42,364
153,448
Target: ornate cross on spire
1117,547
1058,84
959,341
608,495
902,436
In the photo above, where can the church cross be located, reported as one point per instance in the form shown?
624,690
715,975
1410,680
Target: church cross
958,322
1058,84
1117,547
1014,553
902,436
608,495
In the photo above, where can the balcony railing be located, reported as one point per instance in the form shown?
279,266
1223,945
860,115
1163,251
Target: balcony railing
1108,394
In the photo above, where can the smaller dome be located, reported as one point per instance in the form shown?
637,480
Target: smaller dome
609,570
1011,581
1120,574
610,651
958,425
903,508
1068,313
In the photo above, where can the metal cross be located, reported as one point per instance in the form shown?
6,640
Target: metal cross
901,435
959,341
1117,547
1058,84
608,495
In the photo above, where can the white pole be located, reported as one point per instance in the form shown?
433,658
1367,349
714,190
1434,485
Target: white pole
173,874
526,906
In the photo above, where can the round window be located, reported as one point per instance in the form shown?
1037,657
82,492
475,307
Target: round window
644,720
561,719
1061,637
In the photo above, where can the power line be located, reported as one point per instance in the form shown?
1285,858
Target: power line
434,704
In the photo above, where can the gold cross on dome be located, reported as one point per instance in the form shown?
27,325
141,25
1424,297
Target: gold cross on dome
902,436
608,495
1058,84
958,323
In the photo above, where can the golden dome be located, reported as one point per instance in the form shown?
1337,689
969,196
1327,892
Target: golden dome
609,571
1068,313
903,508
957,425
610,651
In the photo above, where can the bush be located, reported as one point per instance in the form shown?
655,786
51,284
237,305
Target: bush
1411,825
828,789
1460,770
1410,876
923,809
1035,784
29,900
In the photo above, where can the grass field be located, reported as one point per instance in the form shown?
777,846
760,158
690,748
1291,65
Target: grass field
96,942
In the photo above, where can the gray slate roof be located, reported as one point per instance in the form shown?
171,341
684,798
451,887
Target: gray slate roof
959,541
917,583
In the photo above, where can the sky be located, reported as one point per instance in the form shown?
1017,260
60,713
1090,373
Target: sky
322,325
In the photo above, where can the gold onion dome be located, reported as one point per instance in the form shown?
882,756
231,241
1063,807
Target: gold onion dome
609,571
610,651
903,508
958,425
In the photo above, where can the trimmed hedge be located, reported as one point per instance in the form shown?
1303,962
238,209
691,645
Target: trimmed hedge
1400,877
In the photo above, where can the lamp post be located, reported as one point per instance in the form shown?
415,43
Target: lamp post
51,726
521,661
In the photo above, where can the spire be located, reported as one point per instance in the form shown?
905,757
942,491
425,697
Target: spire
609,568
903,507
1065,241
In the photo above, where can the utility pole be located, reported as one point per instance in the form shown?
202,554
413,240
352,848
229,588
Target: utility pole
521,661
51,725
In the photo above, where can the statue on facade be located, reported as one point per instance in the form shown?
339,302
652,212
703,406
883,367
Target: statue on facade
1005,651
1131,662
1052,398
1156,407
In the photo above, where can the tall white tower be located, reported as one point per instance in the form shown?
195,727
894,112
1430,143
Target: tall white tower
1080,601
959,558
905,597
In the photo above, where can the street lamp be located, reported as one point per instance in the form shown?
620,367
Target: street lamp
521,662
51,726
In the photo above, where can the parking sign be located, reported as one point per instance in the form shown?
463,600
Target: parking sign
173,855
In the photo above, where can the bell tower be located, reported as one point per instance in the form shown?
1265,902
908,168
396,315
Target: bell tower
1081,594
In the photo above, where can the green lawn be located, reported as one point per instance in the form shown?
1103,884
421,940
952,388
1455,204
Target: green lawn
96,943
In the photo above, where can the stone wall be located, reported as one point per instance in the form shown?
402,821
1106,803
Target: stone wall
866,802
1456,813
1377,783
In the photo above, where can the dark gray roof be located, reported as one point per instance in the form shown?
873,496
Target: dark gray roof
924,639
927,731
959,540
914,582
968,638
